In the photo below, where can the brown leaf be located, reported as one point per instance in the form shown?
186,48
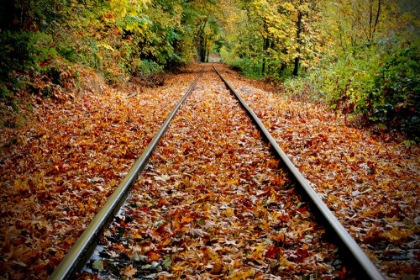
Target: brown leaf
129,271
272,252
217,269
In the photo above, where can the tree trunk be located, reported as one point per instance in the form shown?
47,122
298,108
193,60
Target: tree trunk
298,39
376,19
266,44
201,44
207,53
204,50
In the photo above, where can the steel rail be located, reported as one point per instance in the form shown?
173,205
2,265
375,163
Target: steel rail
359,256
81,251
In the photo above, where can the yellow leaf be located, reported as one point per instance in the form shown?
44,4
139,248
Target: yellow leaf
178,268
232,182
137,235
284,263
186,219
261,247
229,212
106,46
396,233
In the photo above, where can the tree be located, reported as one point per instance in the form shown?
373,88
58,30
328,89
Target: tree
288,32
298,38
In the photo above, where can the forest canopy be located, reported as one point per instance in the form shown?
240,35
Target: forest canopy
362,57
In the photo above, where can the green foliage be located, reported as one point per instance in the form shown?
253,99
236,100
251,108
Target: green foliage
303,88
368,71
13,58
346,83
395,97
24,52
381,84
116,38
15,52
247,67
278,36
41,50
5,93
146,67
341,48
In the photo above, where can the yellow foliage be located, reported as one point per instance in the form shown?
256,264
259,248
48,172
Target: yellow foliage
288,7
396,233
130,7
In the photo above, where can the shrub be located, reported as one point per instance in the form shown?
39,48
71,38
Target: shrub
396,92
15,54
247,67
381,84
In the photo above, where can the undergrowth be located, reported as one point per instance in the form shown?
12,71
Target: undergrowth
379,86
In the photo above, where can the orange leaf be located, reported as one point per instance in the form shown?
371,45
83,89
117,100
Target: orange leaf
129,271
153,256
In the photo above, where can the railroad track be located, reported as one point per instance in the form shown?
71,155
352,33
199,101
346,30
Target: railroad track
217,198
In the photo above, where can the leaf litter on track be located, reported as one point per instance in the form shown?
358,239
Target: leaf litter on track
214,203
370,181
59,168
